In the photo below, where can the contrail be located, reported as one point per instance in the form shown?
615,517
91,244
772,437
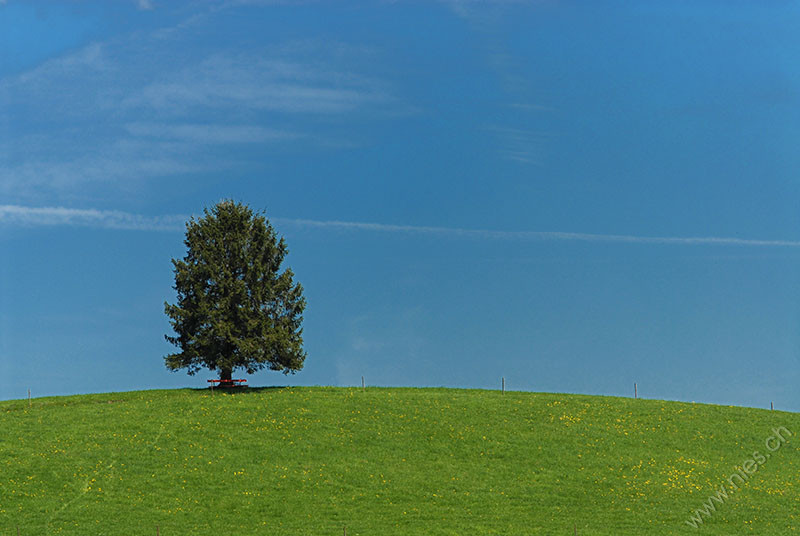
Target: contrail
107,219
540,235
113,219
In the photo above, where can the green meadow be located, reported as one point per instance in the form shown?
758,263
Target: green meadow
319,461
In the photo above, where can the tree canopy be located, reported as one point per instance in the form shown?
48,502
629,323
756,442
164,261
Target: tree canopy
235,308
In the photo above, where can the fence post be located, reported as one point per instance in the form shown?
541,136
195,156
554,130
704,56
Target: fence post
363,388
635,392
503,384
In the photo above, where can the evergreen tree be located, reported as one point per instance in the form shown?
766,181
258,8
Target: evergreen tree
235,308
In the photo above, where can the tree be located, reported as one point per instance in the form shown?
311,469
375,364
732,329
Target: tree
235,309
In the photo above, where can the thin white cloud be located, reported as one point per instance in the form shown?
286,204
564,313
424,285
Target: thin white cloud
209,133
51,216
473,9
15,215
115,113
540,235
59,86
248,81
529,107
118,162
525,146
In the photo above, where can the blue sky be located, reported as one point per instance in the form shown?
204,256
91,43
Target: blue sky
574,195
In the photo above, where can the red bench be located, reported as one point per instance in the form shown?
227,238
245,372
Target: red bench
227,383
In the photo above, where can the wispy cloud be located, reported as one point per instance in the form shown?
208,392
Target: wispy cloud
520,145
529,107
515,139
123,111
58,88
49,216
226,81
119,162
15,215
539,235
477,10
209,133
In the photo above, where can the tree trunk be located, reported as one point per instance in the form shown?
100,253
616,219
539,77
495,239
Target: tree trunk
225,374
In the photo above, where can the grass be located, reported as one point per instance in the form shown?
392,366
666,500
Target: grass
388,462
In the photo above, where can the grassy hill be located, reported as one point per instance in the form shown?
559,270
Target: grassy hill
391,462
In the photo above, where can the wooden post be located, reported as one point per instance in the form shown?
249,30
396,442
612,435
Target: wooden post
771,406
345,531
363,388
29,397
635,392
503,384
158,531
575,530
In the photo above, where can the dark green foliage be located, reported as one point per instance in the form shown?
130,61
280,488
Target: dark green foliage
235,309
